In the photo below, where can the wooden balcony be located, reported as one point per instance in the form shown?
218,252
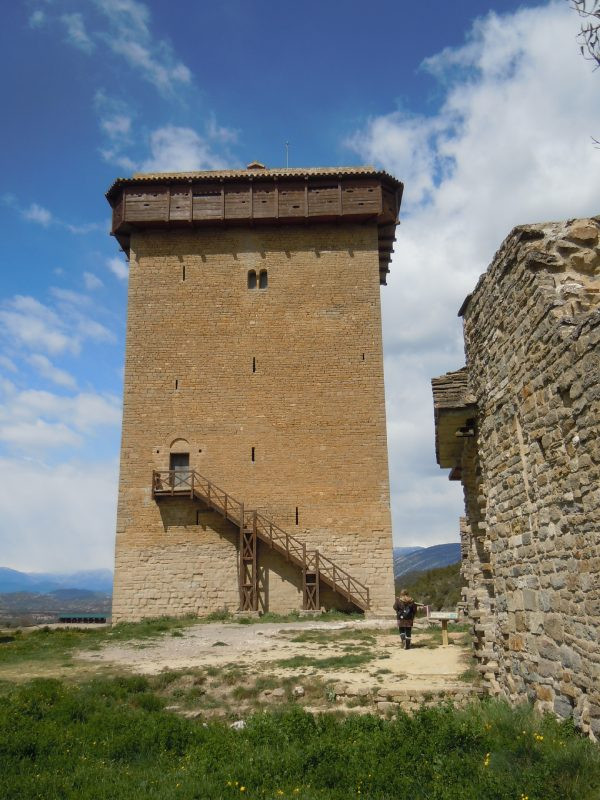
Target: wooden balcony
258,196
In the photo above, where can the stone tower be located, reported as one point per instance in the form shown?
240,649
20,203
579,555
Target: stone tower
254,468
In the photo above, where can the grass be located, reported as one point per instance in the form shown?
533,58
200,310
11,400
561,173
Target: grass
58,644
328,636
332,662
43,644
113,740
296,616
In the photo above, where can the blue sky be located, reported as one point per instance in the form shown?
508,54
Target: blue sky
484,109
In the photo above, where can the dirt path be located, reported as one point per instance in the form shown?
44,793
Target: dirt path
256,648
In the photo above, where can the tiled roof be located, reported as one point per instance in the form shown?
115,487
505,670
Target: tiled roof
246,174
452,390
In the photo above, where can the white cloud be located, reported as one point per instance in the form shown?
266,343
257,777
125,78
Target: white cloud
70,297
47,370
42,216
72,505
118,267
30,324
8,364
117,126
113,156
34,421
176,149
37,19
38,214
86,227
91,281
220,132
76,32
91,329
510,144
38,436
129,36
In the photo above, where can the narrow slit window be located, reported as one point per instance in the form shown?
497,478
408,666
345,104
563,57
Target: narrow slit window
176,383
263,280
297,516
253,459
363,357
253,363
183,272
252,279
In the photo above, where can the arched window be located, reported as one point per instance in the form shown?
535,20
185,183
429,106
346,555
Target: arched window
252,279
263,280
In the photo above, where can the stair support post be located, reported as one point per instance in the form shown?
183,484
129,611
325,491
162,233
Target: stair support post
248,572
310,581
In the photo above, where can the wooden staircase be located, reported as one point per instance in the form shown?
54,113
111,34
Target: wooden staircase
316,568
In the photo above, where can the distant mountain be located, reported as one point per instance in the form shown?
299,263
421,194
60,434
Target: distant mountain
405,551
14,605
422,559
96,580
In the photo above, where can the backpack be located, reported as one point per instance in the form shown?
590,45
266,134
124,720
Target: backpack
405,611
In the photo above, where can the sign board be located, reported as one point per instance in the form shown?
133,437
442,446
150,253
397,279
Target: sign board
451,615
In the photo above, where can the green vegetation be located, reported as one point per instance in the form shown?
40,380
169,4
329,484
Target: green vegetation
112,740
58,644
296,616
329,636
354,659
438,588
42,644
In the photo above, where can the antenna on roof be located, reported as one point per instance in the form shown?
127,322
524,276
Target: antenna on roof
287,154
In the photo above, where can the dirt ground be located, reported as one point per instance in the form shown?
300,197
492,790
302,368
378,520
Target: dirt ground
261,648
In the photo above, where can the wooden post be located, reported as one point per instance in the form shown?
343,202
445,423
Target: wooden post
445,633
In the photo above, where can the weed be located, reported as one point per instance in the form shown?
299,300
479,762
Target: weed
332,662
112,739
53,644
217,616
330,636
470,675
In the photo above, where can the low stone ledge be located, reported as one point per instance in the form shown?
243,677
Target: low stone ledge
391,699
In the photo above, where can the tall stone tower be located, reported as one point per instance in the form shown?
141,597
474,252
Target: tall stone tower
254,469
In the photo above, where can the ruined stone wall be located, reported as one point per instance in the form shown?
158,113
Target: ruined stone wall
531,474
215,369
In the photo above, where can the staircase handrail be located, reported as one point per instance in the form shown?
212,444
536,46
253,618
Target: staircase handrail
190,481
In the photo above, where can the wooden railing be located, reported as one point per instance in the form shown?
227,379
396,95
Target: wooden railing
189,483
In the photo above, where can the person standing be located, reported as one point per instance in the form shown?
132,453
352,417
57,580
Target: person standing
405,608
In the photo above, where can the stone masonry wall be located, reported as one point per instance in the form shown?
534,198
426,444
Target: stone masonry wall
531,476
215,369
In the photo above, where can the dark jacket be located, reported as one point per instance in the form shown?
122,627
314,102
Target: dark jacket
405,612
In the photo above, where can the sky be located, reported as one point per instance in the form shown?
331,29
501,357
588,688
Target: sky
484,109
